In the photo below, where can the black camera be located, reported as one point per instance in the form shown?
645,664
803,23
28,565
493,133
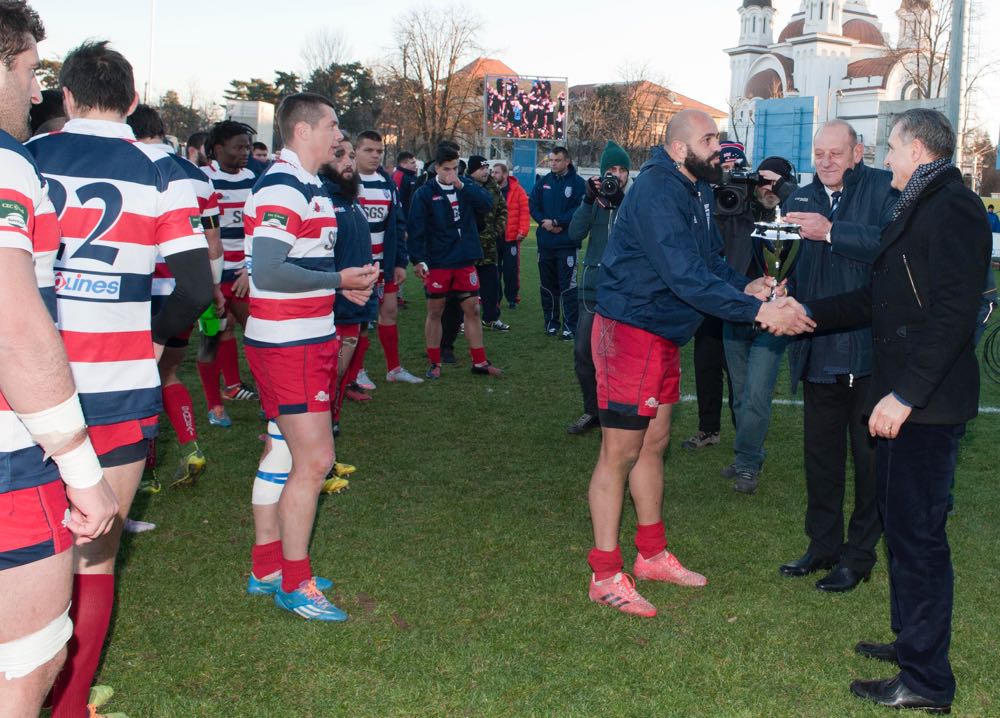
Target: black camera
609,186
732,197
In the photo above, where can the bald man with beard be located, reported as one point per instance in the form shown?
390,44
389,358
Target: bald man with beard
662,270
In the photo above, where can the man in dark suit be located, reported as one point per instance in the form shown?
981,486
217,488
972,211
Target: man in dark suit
922,303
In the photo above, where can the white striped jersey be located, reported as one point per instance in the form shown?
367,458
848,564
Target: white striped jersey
119,202
376,195
27,222
291,205
231,191
208,205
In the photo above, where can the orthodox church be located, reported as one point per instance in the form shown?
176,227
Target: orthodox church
835,51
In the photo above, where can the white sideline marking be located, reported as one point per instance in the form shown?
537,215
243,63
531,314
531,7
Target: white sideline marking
798,402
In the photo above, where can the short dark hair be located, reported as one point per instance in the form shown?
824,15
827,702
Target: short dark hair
560,150
17,22
146,123
931,127
370,135
222,132
404,156
445,153
259,146
450,143
197,140
99,78
300,107
989,207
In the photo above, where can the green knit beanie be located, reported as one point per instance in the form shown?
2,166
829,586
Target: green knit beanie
614,155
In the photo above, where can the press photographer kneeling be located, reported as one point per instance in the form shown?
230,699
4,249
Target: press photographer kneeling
753,356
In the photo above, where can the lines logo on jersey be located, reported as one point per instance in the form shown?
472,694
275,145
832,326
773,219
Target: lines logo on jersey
83,285
14,213
275,219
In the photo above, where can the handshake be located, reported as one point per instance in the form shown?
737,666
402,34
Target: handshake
780,314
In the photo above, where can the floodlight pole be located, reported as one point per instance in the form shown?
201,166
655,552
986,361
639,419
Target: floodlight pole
956,71
149,75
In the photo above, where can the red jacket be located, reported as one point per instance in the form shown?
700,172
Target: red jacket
518,215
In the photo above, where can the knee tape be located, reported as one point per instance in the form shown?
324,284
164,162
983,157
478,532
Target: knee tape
21,656
273,469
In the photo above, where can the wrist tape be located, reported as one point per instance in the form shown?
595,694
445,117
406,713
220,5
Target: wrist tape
80,468
56,427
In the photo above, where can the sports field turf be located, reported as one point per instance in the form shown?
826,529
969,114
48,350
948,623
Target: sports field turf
460,553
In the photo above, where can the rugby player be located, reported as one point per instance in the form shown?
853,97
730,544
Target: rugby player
42,432
148,128
228,148
379,197
119,203
292,348
444,247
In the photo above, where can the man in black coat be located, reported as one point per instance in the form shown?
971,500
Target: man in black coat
922,303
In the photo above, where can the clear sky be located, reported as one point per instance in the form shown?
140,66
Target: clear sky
200,46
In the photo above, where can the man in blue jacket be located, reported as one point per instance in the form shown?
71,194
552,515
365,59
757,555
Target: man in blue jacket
444,248
553,201
661,270
842,214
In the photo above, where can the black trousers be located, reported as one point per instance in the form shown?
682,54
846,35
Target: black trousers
510,270
709,365
583,361
834,412
489,291
915,471
557,276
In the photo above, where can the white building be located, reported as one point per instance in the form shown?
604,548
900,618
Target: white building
834,51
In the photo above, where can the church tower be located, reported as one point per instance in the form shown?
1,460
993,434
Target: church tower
914,14
756,23
824,16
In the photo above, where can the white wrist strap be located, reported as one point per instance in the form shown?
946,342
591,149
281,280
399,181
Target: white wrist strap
79,467
54,428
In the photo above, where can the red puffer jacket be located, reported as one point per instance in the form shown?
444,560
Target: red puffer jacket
518,214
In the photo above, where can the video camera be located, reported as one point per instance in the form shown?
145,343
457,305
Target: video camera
732,197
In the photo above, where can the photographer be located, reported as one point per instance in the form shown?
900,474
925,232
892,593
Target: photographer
753,357
595,216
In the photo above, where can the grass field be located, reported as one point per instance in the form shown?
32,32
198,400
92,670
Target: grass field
460,553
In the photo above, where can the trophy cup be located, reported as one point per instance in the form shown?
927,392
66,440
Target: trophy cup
778,247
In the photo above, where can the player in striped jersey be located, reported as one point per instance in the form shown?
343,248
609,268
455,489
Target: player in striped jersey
228,148
40,413
292,349
119,202
149,129
379,198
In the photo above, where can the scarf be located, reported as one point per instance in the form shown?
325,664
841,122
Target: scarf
922,177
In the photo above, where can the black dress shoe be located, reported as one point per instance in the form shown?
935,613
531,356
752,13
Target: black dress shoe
879,651
892,692
842,579
805,565
585,423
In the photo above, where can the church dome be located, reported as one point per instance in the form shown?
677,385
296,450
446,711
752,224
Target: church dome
792,29
756,3
863,31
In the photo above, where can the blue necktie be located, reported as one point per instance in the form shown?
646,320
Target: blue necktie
834,203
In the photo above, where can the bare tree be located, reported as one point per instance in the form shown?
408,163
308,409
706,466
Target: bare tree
430,96
322,48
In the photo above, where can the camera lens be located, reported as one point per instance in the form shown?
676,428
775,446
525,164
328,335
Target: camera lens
728,199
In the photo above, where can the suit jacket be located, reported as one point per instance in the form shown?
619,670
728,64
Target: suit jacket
922,301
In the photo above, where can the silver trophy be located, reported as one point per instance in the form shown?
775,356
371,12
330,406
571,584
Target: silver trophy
777,248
